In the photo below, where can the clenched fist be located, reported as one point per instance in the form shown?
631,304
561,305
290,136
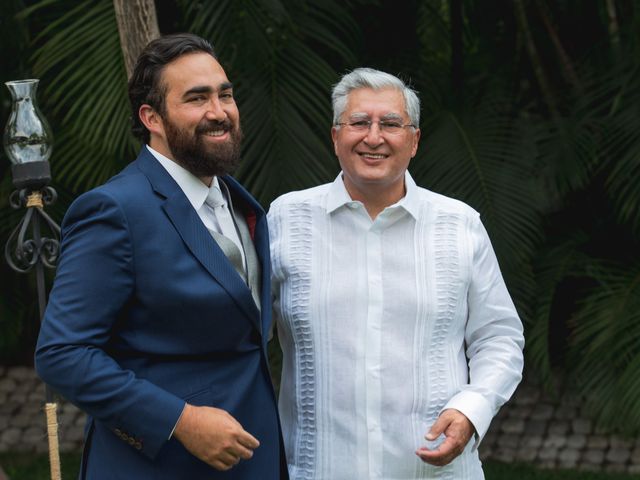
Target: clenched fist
214,436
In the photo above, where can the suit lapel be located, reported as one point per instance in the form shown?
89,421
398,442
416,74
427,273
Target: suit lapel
196,236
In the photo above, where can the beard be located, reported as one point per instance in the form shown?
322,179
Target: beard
193,153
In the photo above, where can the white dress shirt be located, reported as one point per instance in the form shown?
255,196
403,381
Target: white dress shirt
217,219
383,324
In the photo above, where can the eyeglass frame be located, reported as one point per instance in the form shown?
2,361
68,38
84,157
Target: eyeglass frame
369,123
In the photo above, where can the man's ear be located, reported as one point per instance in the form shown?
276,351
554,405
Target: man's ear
415,141
334,139
151,119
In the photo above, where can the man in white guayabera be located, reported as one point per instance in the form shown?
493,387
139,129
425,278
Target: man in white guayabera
400,339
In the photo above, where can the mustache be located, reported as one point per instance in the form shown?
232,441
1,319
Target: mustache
208,125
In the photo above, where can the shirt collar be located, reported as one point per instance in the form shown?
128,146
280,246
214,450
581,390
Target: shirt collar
193,188
339,197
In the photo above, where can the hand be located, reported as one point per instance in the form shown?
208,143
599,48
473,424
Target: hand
458,431
214,436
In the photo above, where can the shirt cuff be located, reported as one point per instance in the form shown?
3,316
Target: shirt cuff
177,421
476,408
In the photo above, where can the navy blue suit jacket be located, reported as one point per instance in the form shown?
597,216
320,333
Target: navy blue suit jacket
146,313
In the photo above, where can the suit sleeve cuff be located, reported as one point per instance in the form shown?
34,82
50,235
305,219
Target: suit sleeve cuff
157,435
177,421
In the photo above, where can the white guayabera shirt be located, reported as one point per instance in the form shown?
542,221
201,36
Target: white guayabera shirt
383,324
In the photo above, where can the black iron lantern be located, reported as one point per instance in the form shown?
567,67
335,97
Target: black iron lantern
27,137
28,143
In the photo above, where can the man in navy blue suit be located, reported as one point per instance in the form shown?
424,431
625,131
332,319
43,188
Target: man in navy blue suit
158,319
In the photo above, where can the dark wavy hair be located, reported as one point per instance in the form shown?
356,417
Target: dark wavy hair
145,85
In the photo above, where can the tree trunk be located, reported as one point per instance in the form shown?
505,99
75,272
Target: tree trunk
536,62
567,66
614,29
457,48
137,25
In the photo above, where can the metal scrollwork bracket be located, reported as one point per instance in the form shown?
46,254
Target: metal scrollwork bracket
27,247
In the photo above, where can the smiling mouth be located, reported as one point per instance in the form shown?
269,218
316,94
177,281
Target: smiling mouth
373,156
214,129
214,133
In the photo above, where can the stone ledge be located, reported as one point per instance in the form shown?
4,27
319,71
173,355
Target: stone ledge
530,428
556,434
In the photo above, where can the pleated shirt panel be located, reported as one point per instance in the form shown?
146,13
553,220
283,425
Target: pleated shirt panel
372,318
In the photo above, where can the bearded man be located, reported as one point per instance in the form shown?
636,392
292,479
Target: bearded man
158,320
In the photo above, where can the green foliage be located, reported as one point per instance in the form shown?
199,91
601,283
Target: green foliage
85,92
29,466
554,264
622,146
606,336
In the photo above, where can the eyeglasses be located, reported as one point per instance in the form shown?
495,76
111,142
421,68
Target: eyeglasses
386,126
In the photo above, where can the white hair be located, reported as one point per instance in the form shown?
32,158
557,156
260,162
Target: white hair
376,80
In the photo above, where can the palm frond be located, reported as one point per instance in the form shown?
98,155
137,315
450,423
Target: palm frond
433,69
80,61
606,345
553,265
622,148
570,147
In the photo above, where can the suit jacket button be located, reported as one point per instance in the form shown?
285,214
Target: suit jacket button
118,432
138,446
131,440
